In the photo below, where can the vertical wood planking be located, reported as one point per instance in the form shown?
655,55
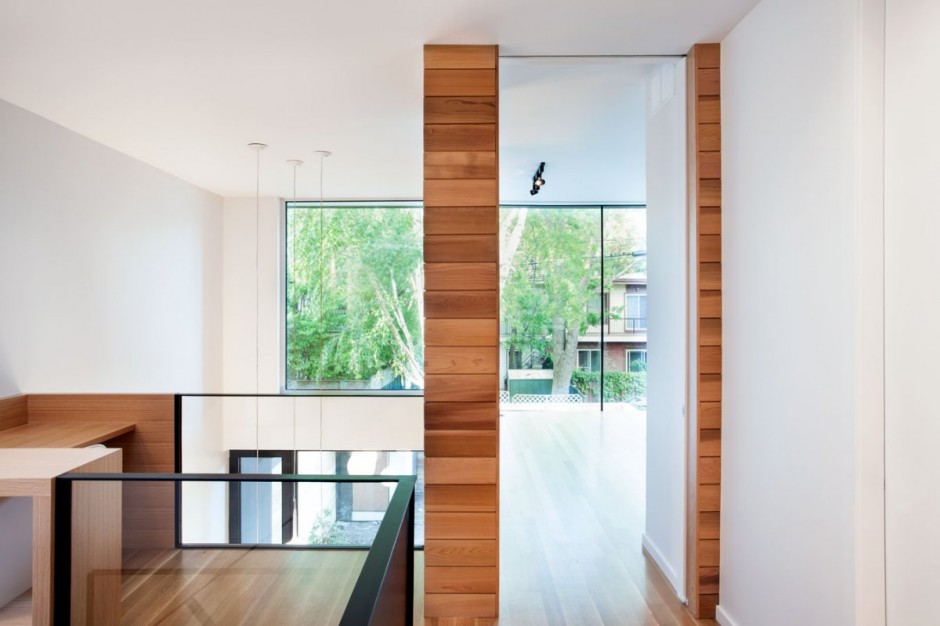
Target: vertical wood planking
704,94
461,241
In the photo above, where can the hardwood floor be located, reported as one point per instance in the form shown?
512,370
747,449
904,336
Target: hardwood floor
238,586
572,496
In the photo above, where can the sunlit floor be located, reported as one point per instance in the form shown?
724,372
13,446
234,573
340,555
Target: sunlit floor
572,498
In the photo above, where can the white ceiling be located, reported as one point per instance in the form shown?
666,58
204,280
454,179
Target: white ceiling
585,118
184,84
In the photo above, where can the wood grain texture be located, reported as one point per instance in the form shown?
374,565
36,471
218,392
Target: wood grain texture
708,137
149,448
709,415
461,498
461,249
461,332
709,221
460,276
461,388
62,435
460,471
708,110
460,605
704,437
460,110
460,192
461,580
461,221
460,82
452,138
461,526
460,57
238,586
709,303
464,164
12,411
460,416
460,443
461,307
461,304
460,552
709,359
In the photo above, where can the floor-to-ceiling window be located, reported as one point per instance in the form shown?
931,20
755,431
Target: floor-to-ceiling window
573,305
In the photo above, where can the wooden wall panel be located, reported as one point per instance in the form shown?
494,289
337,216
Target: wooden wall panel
704,94
12,411
461,252
148,508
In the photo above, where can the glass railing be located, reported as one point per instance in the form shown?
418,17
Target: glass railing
116,560
292,434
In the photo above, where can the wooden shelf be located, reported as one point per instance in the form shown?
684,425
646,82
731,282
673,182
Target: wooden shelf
62,435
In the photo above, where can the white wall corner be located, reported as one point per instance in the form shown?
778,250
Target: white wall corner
722,617
667,570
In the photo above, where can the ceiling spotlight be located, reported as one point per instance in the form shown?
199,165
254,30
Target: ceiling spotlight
537,180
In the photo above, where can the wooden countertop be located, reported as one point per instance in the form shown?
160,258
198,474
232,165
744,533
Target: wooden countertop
62,434
30,471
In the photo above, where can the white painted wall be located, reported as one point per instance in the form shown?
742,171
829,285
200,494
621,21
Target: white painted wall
111,276
790,305
912,295
667,226
111,269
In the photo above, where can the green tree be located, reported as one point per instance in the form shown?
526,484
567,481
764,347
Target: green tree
354,294
551,280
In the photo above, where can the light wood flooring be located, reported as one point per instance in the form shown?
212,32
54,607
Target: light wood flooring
238,586
572,497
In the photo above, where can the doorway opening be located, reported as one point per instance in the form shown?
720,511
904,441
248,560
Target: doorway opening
593,339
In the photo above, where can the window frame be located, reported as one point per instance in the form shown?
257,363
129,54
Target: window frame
626,310
282,298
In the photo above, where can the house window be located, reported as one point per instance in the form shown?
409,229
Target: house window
636,360
636,311
353,284
589,360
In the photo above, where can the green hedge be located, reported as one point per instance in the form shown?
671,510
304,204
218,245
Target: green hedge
618,386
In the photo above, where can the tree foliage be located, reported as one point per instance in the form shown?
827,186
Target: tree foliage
354,296
551,279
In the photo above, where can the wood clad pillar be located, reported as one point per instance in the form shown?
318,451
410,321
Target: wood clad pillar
461,298
704,94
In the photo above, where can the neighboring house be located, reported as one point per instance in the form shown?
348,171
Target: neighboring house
624,342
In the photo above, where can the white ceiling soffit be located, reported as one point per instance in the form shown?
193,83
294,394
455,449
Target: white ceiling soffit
184,85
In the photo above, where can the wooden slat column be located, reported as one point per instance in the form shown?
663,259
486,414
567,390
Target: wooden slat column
704,95
461,250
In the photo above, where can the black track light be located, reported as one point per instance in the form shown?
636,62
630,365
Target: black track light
537,180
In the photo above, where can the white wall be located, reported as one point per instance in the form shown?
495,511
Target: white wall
111,275
111,269
912,290
664,538
790,304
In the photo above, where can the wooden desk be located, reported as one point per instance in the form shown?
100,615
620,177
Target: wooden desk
62,434
31,472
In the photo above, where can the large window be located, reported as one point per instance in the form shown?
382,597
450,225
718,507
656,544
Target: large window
354,290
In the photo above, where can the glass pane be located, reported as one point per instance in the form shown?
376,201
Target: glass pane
354,290
551,307
625,281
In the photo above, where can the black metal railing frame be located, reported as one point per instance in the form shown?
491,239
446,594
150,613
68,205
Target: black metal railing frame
375,598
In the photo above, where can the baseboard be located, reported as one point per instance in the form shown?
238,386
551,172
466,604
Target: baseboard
722,617
670,574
